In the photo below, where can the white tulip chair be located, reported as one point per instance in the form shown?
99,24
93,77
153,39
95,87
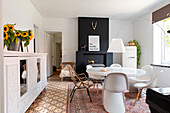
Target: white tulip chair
150,84
115,65
115,85
144,78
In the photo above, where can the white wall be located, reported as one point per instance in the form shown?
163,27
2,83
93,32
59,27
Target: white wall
120,29
69,30
1,64
24,14
143,33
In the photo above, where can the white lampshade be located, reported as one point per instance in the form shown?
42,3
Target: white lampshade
116,46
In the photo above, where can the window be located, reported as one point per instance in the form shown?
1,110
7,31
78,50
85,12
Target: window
162,41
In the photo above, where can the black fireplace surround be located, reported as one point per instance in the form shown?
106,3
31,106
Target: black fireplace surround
85,29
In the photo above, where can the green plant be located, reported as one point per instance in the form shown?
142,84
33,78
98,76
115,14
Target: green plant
138,51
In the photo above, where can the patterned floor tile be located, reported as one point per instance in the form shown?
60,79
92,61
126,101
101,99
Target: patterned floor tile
53,99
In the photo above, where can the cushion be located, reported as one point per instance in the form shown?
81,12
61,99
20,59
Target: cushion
86,84
64,74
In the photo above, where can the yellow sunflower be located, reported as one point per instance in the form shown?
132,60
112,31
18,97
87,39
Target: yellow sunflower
30,38
5,28
30,33
24,34
5,36
11,27
17,33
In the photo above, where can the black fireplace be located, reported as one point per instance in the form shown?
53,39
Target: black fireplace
92,26
83,57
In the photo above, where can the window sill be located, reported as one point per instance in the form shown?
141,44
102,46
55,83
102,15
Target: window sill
161,65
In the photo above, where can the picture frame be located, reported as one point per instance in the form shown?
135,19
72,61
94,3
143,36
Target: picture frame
94,42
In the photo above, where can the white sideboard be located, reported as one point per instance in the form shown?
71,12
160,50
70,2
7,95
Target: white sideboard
22,89
129,58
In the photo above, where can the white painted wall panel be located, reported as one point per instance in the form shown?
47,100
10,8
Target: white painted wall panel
12,87
31,67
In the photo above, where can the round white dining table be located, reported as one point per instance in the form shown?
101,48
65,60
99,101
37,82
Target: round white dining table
130,72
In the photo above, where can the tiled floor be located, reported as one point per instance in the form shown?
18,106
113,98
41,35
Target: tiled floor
53,99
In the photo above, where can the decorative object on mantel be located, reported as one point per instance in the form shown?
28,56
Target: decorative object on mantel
94,26
94,43
13,38
91,61
104,70
84,47
116,46
131,43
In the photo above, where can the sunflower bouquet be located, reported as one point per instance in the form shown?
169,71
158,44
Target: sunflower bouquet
8,34
25,36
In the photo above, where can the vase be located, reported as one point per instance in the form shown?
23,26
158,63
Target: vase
13,46
5,48
131,43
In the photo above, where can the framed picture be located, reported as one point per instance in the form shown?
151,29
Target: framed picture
94,43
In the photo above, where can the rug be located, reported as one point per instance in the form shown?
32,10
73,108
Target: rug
81,102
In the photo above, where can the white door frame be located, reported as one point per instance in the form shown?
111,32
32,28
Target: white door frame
45,44
50,72
36,37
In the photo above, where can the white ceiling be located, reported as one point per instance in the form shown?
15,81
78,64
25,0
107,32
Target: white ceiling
117,9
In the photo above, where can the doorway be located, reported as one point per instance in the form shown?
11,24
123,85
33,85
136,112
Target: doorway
57,51
53,46
58,55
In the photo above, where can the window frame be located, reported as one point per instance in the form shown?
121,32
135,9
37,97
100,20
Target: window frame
163,61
